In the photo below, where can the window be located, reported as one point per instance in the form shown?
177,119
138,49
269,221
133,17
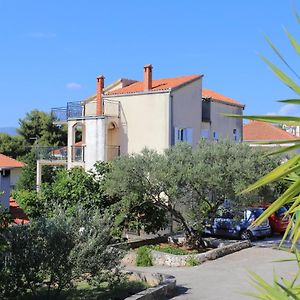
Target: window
204,134
215,136
5,172
206,116
236,135
184,135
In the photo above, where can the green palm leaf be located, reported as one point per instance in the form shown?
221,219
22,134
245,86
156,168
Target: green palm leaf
280,56
281,171
277,142
294,43
290,101
287,120
282,76
285,149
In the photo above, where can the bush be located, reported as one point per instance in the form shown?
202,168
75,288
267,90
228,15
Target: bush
172,250
192,261
52,254
144,258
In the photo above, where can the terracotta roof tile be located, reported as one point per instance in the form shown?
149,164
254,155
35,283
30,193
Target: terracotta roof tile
219,97
261,131
8,162
157,85
17,213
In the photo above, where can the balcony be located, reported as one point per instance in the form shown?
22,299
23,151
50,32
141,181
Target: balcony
113,151
51,153
59,114
73,110
60,153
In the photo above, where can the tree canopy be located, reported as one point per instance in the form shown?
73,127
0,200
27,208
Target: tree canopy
185,183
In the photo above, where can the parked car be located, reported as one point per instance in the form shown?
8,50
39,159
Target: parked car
226,225
279,221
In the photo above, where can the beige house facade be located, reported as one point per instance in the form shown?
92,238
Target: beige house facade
128,115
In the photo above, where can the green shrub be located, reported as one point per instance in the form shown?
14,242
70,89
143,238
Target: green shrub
171,250
192,261
144,258
52,254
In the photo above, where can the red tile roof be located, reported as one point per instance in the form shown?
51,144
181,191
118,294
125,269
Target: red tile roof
219,97
157,85
17,213
8,162
261,131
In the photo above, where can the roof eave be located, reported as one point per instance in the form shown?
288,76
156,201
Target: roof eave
186,83
225,102
137,93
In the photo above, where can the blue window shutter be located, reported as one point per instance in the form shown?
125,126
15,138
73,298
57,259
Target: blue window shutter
176,135
216,136
205,134
189,135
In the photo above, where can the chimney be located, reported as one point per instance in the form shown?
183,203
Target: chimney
147,77
99,92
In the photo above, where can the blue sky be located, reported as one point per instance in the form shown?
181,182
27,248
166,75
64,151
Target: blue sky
51,51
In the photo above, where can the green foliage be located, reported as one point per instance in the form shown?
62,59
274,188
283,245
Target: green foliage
27,179
54,253
171,250
69,189
184,183
38,127
144,258
12,146
192,261
5,220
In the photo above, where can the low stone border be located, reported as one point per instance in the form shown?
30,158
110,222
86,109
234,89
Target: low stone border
144,242
171,260
161,285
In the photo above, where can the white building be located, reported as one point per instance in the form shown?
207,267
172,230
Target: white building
128,115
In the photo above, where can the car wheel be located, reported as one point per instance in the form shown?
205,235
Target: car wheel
246,235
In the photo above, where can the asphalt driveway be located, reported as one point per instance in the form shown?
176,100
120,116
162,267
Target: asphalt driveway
227,277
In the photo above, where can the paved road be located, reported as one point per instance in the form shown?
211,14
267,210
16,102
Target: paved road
227,277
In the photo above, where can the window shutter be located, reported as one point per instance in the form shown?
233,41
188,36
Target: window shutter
205,134
176,135
189,135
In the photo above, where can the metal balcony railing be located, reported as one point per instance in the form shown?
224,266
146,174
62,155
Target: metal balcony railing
51,153
112,151
59,114
75,109
78,153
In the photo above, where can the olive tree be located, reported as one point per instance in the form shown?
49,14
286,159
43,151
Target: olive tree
185,183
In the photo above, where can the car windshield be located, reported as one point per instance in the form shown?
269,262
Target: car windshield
282,210
256,212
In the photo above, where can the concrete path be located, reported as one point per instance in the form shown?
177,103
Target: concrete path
226,277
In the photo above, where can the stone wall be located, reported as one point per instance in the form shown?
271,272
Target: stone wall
171,260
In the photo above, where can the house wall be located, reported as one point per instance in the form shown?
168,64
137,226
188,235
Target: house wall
90,108
144,122
95,147
187,108
94,141
222,125
5,188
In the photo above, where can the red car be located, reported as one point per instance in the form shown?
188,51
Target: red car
279,220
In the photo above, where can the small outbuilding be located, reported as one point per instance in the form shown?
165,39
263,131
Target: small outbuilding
10,170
